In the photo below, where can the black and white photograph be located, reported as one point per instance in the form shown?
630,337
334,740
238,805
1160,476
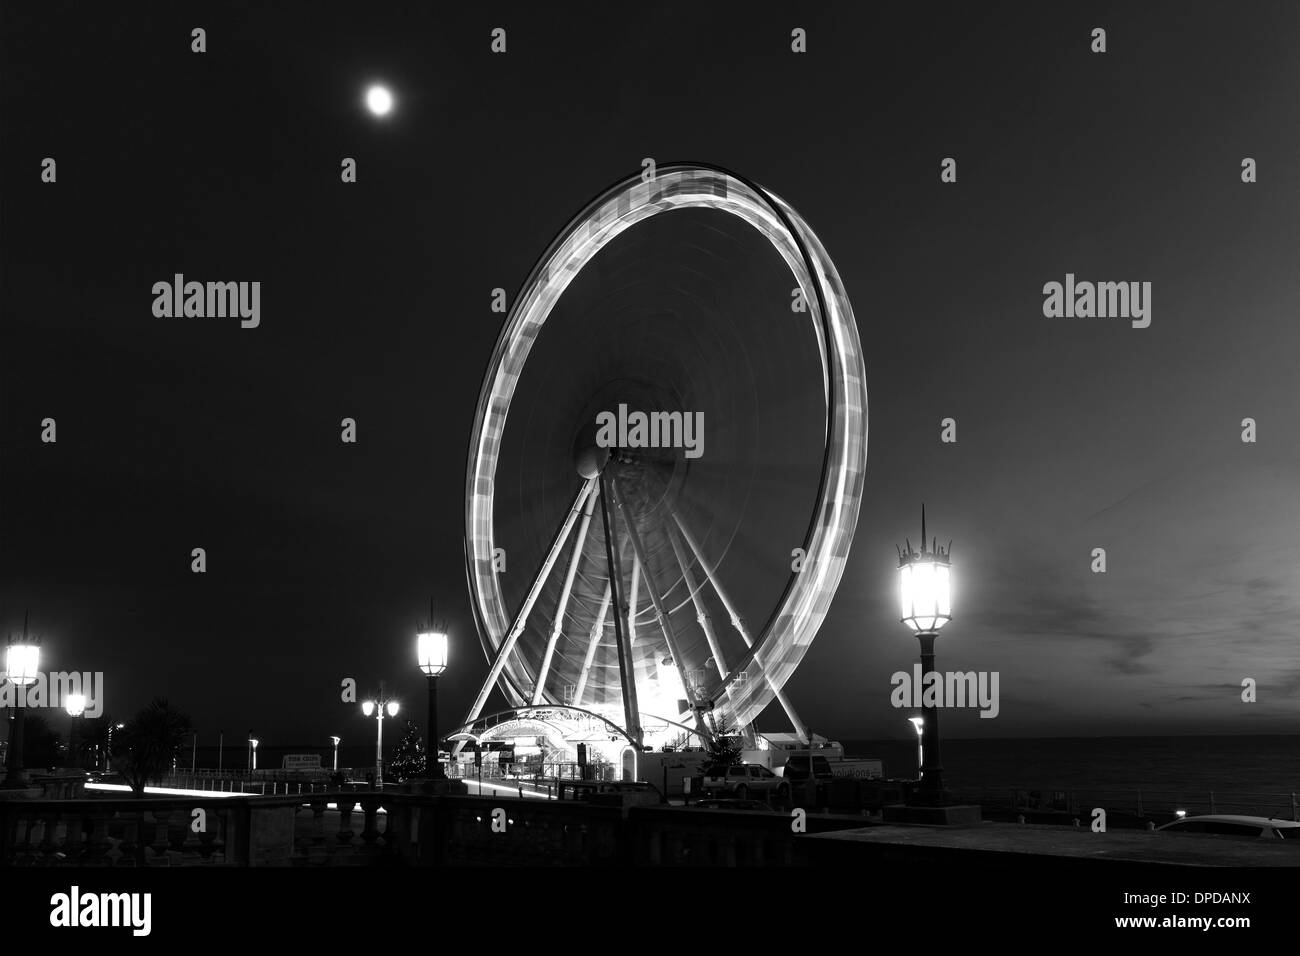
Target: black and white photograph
550,467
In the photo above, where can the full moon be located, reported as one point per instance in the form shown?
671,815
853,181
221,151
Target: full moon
379,100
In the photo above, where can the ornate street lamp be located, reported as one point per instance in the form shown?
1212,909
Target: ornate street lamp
378,708
431,654
75,705
926,597
22,662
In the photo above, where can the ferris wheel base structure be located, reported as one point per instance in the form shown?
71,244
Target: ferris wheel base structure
623,527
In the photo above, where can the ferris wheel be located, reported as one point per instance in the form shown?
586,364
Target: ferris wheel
667,460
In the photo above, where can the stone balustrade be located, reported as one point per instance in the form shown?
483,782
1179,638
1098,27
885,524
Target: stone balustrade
399,829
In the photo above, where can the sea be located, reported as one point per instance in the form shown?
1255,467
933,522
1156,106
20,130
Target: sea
1252,764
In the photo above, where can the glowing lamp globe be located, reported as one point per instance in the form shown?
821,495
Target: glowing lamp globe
432,653
75,704
379,101
368,708
392,708
22,661
926,592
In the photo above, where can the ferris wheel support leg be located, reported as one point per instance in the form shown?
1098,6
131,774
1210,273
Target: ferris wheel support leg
631,712
634,598
563,606
517,628
643,663
661,613
706,623
737,622
597,632
701,612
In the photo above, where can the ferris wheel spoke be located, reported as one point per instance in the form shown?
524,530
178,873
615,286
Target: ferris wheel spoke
589,487
597,632
563,606
738,622
631,712
665,625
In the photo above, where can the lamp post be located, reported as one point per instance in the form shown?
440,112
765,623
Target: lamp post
918,723
75,705
108,757
335,741
22,659
431,652
926,598
252,753
378,708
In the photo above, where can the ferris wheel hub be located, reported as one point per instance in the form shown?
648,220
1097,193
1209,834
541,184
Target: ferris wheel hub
590,461
589,458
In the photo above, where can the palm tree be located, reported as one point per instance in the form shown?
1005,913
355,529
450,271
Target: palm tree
145,747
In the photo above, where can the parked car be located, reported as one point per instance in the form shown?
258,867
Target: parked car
744,780
731,804
796,769
1234,825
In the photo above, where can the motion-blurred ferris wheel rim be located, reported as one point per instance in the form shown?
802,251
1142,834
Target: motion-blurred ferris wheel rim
798,614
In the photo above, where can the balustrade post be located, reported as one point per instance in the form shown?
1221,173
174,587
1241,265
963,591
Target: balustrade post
318,853
161,841
345,824
370,832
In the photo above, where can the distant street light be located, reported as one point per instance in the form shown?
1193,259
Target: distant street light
431,653
379,101
926,596
75,705
378,708
335,741
252,752
22,660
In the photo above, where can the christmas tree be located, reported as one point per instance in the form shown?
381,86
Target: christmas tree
409,759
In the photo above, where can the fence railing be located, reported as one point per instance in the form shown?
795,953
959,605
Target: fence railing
269,786
1142,804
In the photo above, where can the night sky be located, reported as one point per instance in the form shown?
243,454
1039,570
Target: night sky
1073,433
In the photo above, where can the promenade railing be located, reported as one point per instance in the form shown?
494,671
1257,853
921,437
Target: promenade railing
1140,804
